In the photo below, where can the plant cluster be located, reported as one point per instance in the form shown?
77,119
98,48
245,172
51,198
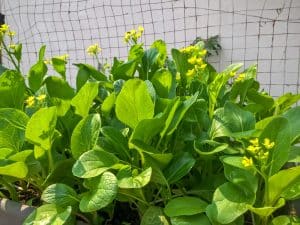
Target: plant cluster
151,140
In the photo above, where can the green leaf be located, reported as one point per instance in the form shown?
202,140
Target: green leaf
96,74
284,102
149,59
93,163
13,169
118,142
85,135
231,121
160,45
108,104
82,77
103,190
185,206
285,220
59,65
12,90
281,183
181,62
60,194
84,98
292,116
49,214
12,128
209,147
59,88
41,126
123,70
190,220
38,71
180,165
267,210
229,203
134,103
163,82
154,216
128,178
278,131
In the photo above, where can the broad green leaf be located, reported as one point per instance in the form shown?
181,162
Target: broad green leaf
108,104
84,98
136,52
130,178
93,163
49,214
163,82
12,90
92,71
41,126
85,135
59,65
179,114
181,62
180,166
154,216
191,220
124,70
82,77
284,102
285,220
185,206
118,142
282,182
2,69
62,105
215,87
149,59
12,128
293,116
103,190
294,154
5,152
209,147
147,129
229,203
37,72
278,131
160,45
267,210
13,169
232,120
134,103
59,88
60,194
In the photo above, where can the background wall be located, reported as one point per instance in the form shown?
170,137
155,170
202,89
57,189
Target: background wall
266,32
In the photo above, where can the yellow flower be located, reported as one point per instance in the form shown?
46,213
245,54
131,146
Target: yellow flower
268,144
30,101
203,66
232,74
177,76
11,33
192,60
203,52
253,149
141,29
47,61
199,61
12,46
4,28
254,141
190,73
93,49
241,77
62,57
247,162
41,97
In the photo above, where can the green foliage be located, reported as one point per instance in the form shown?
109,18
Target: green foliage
168,139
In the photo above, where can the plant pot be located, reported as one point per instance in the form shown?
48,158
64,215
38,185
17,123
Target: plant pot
13,213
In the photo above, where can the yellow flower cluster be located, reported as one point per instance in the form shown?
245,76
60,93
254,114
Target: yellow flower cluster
62,57
247,162
93,49
133,35
241,77
259,151
4,29
195,58
30,101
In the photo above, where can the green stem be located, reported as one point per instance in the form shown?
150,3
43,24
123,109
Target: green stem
13,193
10,56
50,159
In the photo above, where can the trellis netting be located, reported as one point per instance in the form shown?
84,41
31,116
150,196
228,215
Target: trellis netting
266,32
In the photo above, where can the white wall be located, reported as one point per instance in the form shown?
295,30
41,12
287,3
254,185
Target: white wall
266,32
